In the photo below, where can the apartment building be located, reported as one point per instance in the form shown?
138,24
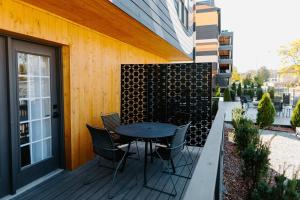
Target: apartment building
212,44
225,58
60,69
207,29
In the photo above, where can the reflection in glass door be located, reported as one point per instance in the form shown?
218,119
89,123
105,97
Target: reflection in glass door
34,108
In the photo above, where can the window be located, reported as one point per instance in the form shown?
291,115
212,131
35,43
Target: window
183,12
186,20
180,9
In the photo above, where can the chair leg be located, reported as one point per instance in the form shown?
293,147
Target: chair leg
189,154
124,162
90,181
170,177
151,151
173,166
186,164
137,150
110,195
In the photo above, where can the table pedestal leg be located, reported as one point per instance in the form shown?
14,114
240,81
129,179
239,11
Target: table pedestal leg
151,152
145,162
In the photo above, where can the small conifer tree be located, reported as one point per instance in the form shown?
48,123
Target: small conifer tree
227,95
295,119
266,111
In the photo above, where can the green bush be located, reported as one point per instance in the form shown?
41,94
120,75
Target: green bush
215,107
255,163
218,91
271,91
295,119
237,114
249,92
266,111
246,133
232,95
262,191
227,96
259,93
284,189
239,90
233,86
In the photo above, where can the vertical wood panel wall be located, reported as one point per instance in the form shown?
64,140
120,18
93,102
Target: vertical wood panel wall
91,69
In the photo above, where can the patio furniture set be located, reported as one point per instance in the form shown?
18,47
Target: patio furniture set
113,143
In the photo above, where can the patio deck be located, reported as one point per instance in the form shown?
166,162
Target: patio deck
70,185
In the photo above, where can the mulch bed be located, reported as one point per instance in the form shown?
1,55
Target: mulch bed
236,187
281,129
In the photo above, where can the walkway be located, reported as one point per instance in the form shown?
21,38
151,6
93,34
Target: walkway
285,151
282,119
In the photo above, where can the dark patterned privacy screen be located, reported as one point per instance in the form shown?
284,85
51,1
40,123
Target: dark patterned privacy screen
155,92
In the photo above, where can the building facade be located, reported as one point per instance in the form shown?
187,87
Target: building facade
212,44
225,58
207,30
60,69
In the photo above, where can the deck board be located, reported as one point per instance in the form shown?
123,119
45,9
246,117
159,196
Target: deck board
71,184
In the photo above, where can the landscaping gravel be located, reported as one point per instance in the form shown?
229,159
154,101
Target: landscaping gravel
285,151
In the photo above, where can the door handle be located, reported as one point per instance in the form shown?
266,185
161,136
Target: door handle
55,115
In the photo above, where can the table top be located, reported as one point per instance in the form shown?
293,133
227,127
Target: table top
147,130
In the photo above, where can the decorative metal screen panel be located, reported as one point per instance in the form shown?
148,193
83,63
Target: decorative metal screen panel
155,92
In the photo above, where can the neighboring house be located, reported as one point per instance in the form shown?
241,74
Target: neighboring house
290,75
273,80
60,69
212,44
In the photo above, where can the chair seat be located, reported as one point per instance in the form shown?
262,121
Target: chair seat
109,155
120,139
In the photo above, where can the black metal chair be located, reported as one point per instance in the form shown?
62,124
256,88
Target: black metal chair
179,118
111,122
104,146
167,153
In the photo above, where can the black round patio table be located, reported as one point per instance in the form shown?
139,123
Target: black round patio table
147,131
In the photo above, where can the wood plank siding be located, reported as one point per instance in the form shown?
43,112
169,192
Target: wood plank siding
103,16
91,66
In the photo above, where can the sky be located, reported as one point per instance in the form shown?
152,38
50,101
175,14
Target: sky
260,28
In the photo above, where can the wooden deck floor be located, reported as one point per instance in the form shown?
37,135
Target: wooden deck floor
70,185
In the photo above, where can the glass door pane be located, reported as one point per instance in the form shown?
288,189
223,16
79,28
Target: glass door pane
34,108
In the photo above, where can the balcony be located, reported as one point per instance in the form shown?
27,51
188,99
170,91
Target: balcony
225,47
226,34
225,61
223,80
144,97
225,71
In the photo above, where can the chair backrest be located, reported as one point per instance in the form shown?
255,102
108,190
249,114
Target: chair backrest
103,144
180,118
178,139
111,121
